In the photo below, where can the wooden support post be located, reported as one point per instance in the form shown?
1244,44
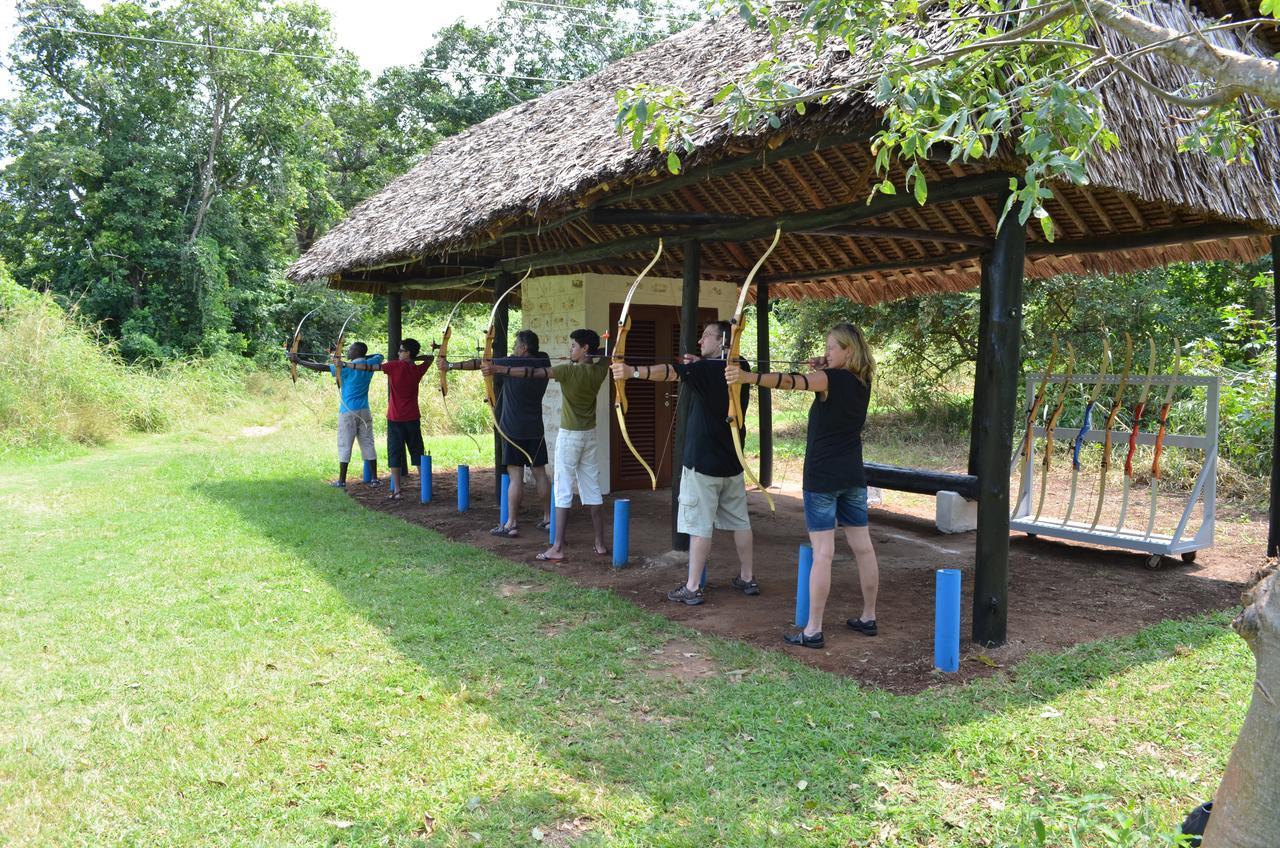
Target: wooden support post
998,369
395,315
984,354
765,410
500,321
1273,533
689,296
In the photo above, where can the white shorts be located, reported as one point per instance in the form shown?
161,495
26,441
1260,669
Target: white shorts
711,503
576,462
354,426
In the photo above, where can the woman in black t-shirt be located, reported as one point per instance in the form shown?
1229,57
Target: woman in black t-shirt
835,483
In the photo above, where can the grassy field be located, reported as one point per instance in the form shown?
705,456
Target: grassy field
201,644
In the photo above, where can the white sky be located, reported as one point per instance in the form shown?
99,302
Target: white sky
381,32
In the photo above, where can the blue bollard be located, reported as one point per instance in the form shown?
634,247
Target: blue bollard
802,585
621,531
425,470
391,484
464,488
368,470
504,503
946,621
551,530
702,581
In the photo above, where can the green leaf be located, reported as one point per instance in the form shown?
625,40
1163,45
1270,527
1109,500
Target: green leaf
921,189
1046,226
887,187
673,162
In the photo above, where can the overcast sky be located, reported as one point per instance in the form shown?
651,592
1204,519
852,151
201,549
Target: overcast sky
381,32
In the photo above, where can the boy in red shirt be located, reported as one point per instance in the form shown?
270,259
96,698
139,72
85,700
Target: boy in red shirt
404,421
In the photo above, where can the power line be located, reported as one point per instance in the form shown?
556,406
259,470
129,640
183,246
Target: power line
265,51
564,8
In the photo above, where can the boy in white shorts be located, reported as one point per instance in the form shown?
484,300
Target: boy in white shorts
580,380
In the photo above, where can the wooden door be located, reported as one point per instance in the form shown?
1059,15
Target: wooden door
651,407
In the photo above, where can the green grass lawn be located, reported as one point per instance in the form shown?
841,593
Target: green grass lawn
201,644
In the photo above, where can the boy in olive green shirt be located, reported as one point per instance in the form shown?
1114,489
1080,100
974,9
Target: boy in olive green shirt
580,380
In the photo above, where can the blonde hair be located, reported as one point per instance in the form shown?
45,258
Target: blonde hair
861,362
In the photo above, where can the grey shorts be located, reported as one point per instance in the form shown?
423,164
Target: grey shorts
711,503
355,427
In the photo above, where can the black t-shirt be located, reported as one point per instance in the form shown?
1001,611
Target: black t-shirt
521,399
833,456
708,446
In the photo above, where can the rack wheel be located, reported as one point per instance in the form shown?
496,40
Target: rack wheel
1189,556
1154,562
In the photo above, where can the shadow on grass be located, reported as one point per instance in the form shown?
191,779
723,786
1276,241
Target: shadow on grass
712,757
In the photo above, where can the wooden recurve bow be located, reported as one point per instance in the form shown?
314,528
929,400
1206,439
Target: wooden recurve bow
619,355
1036,402
336,359
1111,420
1164,423
1086,423
1133,434
292,346
490,393
1053,422
441,350
737,422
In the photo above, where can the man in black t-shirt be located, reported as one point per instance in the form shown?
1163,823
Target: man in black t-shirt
713,495
521,420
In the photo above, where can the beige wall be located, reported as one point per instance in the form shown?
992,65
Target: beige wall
553,307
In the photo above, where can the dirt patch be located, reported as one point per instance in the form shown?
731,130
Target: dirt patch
512,590
259,432
566,832
1061,594
680,660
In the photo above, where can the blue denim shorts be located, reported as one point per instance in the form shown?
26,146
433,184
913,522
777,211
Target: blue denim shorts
826,510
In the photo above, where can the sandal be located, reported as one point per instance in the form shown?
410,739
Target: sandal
394,496
505,532
542,557
543,524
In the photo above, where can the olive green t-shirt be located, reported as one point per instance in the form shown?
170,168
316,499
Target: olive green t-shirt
579,384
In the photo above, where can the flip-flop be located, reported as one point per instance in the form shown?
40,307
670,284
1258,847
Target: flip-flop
544,558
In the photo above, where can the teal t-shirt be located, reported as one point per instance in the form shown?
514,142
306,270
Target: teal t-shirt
355,385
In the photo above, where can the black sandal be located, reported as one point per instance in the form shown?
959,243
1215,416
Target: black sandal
505,532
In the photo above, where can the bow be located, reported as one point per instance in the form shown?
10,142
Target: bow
619,355
292,347
1164,423
1133,435
337,349
1053,422
736,419
1037,401
1111,419
490,394
1086,423
441,350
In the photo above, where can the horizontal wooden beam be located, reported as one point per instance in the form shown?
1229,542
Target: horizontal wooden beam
1137,241
940,261
905,234
920,481
745,230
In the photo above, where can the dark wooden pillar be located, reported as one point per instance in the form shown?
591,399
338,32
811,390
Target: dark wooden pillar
395,316
765,411
500,320
978,385
689,295
1273,533
997,375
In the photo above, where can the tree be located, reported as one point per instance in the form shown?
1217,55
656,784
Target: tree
968,78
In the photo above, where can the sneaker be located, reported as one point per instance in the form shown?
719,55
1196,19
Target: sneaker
337,484
866,628
681,594
746,587
374,482
800,640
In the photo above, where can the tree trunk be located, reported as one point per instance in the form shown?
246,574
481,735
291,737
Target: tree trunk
1246,810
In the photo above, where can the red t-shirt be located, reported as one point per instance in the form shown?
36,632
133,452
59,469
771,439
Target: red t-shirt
402,388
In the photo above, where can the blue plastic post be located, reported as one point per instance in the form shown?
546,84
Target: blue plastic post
391,484
368,470
802,585
946,621
464,488
702,581
425,470
504,503
621,531
551,530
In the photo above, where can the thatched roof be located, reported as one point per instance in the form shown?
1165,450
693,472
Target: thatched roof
533,179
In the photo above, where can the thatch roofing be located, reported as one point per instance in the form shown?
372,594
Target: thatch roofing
534,179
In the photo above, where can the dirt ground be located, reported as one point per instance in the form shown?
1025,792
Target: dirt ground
1061,594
